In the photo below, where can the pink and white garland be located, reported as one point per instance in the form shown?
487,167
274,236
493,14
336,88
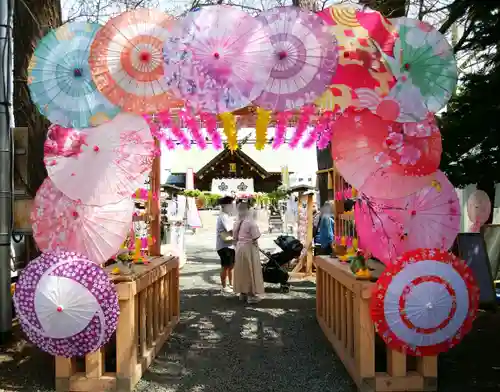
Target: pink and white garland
318,130
212,130
282,119
192,126
302,125
167,122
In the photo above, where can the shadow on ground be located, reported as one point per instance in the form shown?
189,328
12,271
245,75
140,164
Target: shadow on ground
224,345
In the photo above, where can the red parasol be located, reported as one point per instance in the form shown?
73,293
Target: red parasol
379,158
425,303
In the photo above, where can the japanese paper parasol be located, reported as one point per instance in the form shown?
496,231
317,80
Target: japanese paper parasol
60,82
66,304
305,58
379,159
360,60
218,59
478,209
61,223
425,303
126,61
426,72
429,218
101,165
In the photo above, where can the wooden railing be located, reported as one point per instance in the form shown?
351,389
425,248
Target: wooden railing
342,310
149,310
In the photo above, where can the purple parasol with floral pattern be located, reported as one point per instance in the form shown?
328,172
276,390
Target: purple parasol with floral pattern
305,58
66,304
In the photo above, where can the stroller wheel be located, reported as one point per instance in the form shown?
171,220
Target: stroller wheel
285,289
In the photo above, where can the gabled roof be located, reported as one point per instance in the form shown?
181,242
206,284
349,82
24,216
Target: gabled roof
240,154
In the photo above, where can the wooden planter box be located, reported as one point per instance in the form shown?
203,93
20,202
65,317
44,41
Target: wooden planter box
343,312
149,310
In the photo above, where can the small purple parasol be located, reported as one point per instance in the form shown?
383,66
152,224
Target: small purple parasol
305,58
66,304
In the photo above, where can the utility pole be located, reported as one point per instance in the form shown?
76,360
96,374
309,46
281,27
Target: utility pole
6,162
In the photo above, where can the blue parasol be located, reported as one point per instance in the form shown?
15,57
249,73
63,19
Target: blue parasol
60,81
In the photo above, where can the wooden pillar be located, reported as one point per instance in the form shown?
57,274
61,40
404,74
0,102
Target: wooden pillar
155,224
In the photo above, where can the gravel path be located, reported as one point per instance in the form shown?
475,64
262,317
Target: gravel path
224,345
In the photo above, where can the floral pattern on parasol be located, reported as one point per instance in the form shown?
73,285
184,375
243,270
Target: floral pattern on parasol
425,68
378,158
61,223
429,218
66,304
425,303
218,59
304,60
60,81
478,209
101,165
360,61
126,61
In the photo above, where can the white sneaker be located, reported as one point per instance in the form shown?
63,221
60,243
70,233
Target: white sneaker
227,289
254,300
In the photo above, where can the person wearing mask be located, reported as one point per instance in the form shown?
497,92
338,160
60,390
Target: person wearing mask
248,279
324,231
224,243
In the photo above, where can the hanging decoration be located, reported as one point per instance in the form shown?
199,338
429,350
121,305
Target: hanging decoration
263,118
319,129
144,194
167,122
192,125
66,304
210,121
425,303
229,123
282,119
302,125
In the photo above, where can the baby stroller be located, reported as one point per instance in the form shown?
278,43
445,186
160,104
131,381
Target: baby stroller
273,271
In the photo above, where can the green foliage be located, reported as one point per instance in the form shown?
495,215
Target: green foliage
277,195
191,193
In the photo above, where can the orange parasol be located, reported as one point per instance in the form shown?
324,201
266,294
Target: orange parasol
126,60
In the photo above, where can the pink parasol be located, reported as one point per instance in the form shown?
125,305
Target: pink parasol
478,209
425,303
62,223
101,165
218,59
379,158
429,218
66,304
304,59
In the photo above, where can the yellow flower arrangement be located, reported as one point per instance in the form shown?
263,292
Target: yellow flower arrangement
263,118
229,124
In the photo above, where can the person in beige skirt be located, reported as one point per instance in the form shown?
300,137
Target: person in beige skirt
247,273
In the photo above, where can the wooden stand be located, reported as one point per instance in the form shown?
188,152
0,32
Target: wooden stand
342,310
149,310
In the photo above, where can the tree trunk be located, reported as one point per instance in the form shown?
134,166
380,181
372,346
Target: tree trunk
388,8
32,19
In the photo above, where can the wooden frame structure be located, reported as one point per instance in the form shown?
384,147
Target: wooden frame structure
149,310
305,209
342,311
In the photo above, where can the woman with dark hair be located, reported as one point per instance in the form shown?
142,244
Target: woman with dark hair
248,280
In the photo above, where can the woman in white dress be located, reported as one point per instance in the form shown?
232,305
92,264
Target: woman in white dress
247,274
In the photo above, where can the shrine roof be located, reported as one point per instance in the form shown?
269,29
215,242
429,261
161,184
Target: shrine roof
298,160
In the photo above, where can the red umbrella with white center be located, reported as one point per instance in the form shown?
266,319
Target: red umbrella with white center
425,303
